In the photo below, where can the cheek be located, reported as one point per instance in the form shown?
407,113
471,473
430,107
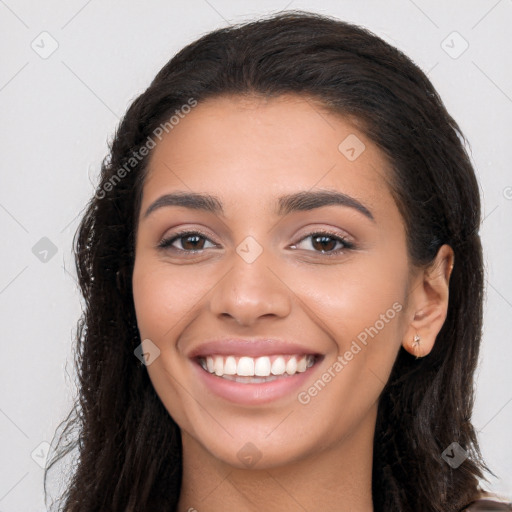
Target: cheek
162,301
362,312
159,298
361,307
165,296
352,299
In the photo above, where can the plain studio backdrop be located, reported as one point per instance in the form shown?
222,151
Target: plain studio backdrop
69,71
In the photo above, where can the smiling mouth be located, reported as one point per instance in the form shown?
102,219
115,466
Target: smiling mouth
257,369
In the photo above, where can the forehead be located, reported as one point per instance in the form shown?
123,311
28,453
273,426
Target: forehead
247,149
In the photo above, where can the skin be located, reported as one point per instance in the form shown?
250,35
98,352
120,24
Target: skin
315,455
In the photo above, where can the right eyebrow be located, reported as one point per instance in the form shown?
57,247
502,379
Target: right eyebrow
191,200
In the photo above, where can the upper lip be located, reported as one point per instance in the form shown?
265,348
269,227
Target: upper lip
249,347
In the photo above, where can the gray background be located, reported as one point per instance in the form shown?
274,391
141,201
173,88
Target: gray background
58,111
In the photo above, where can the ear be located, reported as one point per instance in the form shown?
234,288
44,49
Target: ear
428,303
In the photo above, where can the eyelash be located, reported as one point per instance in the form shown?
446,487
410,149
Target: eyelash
166,243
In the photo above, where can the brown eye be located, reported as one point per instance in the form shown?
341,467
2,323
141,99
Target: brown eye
190,241
326,243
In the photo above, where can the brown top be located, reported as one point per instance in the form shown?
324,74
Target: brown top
488,505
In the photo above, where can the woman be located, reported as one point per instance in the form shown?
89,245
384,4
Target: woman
283,284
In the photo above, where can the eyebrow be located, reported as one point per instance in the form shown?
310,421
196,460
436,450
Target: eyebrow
299,201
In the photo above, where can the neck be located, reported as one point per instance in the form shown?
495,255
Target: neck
338,477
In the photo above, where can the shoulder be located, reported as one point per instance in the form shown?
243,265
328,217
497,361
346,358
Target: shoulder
488,504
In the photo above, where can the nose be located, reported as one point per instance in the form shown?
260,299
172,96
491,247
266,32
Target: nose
251,291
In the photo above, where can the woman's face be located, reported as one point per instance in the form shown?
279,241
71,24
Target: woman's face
295,262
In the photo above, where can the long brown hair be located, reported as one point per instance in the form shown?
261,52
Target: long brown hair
129,448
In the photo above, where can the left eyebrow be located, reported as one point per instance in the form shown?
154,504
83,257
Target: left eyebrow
308,200
299,201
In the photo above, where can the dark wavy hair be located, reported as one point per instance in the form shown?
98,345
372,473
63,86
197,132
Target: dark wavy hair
129,447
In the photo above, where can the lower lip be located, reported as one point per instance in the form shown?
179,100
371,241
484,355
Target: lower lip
253,393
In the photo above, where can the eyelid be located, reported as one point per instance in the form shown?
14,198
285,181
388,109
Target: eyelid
334,232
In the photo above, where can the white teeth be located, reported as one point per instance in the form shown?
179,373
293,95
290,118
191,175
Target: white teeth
230,366
278,366
291,366
260,368
218,365
245,367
